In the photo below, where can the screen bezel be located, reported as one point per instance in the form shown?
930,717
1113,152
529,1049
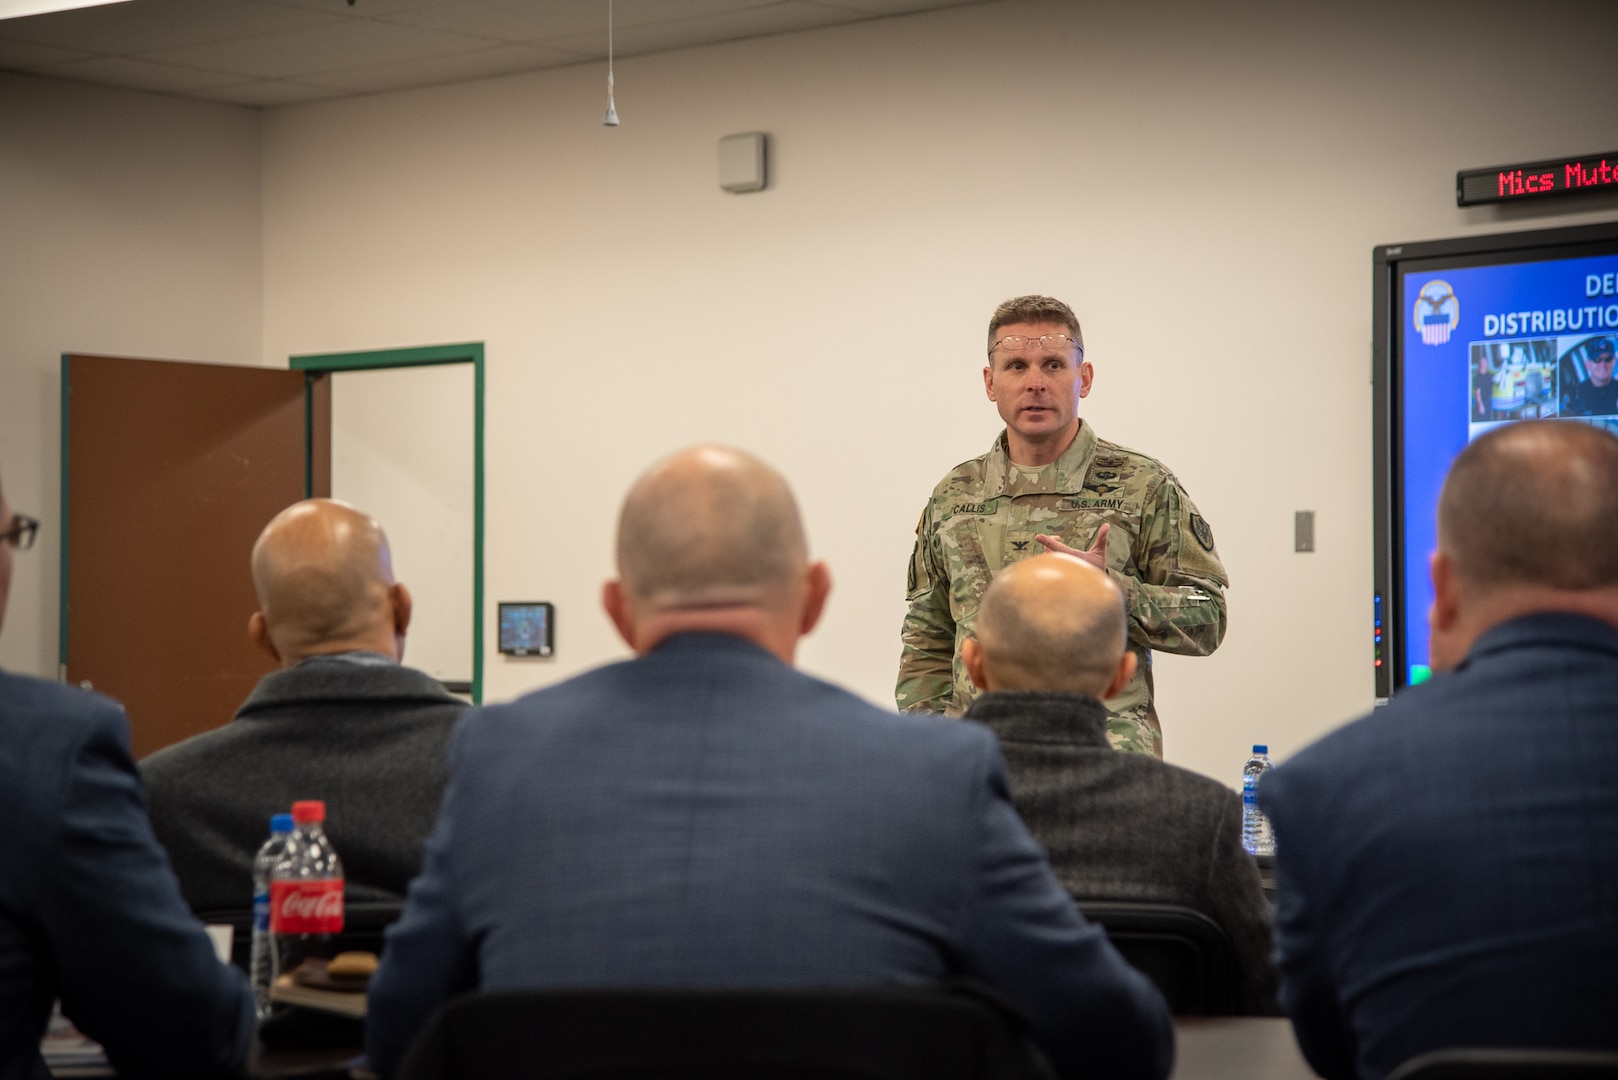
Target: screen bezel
1389,262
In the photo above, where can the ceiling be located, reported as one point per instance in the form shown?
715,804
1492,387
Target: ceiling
278,52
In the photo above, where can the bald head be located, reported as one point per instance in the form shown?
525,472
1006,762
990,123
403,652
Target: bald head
1534,503
1527,523
325,584
1052,622
710,540
709,527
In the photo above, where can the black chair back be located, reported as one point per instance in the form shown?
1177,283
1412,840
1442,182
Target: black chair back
1184,952
363,926
886,1033
1496,1063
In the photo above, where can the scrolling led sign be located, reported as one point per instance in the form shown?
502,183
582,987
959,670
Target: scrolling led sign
1538,179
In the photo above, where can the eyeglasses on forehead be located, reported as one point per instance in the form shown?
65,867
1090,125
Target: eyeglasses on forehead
1048,342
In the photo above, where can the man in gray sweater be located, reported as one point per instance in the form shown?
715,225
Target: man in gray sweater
342,720
1050,645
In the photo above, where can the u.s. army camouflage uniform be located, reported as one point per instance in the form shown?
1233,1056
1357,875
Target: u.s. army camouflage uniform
984,515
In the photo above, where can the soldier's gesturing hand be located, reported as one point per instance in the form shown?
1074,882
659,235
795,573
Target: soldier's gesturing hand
1095,554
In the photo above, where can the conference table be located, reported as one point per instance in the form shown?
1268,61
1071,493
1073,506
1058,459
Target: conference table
1233,1047
1207,1048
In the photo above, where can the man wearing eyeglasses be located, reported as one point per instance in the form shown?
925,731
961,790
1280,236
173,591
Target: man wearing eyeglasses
1599,396
1050,484
89,910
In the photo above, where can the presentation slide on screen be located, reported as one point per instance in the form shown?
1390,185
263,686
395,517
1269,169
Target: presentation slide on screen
1484,346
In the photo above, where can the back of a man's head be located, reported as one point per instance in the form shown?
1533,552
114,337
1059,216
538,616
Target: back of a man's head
324,577
709,527
1052,622
1533,505
708,536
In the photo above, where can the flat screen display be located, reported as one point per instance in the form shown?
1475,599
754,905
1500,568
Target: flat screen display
1483,338
527,628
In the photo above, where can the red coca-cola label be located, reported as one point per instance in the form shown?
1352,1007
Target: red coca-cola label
306,906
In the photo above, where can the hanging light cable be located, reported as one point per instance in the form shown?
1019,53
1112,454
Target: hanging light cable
611,118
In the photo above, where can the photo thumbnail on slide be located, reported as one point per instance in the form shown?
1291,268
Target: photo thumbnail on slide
1569,376
1513,380
1586,369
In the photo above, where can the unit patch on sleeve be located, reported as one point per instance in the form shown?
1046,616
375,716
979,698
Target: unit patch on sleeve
1203,533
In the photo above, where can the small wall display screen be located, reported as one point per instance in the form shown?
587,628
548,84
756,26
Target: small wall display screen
1485,339
527,628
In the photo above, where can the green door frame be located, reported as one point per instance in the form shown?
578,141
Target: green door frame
471,353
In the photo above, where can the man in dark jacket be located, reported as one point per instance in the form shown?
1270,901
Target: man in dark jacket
342,721
89,909
1050,647
1448,865
705,815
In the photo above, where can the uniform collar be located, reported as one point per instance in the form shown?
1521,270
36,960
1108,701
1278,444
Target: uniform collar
1000,477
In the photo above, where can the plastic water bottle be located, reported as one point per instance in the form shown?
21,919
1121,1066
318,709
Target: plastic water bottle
262,964
1256,835
306,892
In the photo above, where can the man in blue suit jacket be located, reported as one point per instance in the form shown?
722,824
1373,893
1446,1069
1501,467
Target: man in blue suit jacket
89,910
707,816
1448,866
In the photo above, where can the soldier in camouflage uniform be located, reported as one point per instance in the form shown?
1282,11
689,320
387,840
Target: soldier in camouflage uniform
1048,483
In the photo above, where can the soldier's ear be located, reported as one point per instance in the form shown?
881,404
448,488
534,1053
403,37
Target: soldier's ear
988,381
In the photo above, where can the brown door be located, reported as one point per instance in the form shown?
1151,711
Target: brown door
172,469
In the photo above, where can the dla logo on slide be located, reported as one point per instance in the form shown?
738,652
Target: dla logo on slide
1437,312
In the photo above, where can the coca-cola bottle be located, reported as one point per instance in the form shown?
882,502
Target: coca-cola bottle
306,892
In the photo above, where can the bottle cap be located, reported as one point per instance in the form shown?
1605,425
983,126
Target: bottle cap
1258,748
308,810
281,823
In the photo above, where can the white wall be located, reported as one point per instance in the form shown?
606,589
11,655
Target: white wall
129,225
1204,187
402,448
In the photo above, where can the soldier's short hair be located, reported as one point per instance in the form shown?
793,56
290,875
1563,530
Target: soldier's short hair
1035,309
1534,503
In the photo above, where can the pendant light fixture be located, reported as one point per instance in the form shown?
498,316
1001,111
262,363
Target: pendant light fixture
611,117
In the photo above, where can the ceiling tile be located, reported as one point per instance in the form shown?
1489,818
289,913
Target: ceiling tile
270,92
525,20
138,74
277,51
362,9
22,54
894,7
778,18
473,64
149,25
328,47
